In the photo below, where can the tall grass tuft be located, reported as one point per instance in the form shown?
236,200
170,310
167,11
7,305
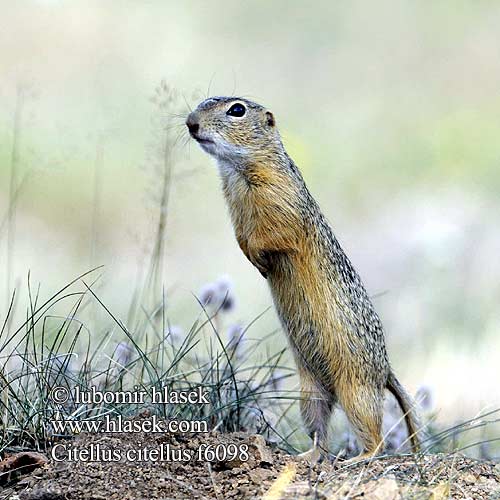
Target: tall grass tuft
160,162
51,350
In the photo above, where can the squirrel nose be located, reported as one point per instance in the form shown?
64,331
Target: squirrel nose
193,127
192,123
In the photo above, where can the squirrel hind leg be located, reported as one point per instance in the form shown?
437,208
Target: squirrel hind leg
316,406
364,409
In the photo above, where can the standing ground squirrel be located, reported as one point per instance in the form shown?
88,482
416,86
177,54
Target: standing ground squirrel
336,335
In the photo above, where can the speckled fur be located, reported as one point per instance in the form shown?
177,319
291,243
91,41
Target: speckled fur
336,335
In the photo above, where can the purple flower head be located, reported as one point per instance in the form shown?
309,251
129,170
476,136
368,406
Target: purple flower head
123,353
209,294
224,287
425,398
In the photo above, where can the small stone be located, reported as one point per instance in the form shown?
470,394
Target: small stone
45,494
441,491
20,463
383,489
469,478
262,453
496,471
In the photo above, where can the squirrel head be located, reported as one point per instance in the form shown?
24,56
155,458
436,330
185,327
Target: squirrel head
233,129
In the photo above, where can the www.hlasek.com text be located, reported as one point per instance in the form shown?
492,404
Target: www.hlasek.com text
117,424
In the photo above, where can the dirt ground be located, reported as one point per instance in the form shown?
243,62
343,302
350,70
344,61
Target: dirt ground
267,473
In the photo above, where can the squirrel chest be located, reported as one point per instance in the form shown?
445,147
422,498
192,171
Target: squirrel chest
275,237
267,223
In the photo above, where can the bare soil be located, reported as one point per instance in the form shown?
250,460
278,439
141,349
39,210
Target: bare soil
268,473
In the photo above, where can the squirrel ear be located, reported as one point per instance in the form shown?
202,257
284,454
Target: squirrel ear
270,119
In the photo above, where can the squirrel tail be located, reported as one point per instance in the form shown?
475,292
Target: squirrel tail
408,407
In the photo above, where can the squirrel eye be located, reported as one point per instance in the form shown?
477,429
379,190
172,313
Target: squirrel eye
237,110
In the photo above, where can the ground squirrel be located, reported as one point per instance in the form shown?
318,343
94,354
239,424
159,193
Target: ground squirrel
336,335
